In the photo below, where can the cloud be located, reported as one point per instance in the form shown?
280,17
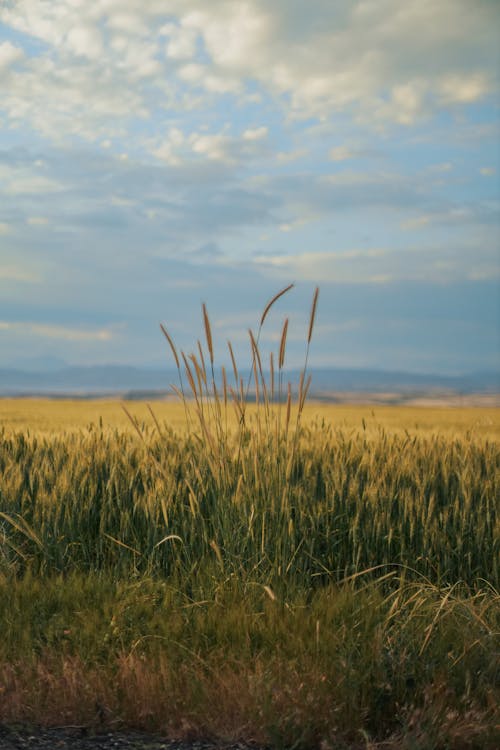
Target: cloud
385,265
25,179
348,56
216,146
465,89
85,41
98,67
181,43
478,215
13,273
234,34
203,77
341,153
51,331
335,193
9,54
255,134
177,147
31,185
37,221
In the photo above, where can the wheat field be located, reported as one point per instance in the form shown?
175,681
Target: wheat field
279,571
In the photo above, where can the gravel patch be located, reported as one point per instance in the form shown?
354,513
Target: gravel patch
81,738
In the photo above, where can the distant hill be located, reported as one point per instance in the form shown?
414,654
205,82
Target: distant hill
386,380
141,382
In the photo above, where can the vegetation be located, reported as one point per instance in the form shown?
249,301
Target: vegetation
260,575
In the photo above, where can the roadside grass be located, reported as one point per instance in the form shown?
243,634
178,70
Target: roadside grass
255,576
412,667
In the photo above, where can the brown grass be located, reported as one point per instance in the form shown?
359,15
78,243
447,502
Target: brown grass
225,702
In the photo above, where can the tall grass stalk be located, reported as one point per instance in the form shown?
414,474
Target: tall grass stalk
210,399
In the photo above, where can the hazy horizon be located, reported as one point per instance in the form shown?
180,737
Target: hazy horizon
49,365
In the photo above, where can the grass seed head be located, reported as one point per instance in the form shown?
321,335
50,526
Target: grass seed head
313,314
208,333
272,301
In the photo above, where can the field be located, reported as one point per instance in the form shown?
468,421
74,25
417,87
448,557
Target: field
346,596
243,565
47,417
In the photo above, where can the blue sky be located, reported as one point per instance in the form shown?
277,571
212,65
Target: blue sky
157,155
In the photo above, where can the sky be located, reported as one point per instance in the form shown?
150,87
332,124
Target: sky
156,155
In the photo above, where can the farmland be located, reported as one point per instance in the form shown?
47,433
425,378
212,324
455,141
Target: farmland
243,565
47,417
156,579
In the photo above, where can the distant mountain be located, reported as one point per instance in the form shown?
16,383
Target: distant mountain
135,381
47,363
382,380
92,379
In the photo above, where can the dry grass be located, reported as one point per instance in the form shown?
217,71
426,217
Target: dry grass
269,705
346,664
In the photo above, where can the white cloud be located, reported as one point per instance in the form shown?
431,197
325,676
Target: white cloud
181,44
50,331
85,41
255,134
341,153
9,54
12,273
128,22
24,181
407,102
167,153
463,89
203,76
234,33
178,148
487,171
215,146
349,56
37,221
381,61
385,265
230,149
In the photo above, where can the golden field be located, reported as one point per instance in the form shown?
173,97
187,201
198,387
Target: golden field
65,415
304,579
